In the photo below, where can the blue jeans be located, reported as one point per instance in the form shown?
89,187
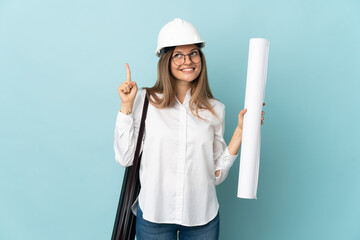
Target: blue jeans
146,230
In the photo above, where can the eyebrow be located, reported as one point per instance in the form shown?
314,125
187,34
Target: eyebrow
189,51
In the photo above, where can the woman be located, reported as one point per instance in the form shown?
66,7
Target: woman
184,152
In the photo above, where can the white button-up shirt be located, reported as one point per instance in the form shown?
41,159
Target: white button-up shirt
180,156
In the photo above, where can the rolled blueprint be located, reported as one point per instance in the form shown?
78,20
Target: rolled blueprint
251,137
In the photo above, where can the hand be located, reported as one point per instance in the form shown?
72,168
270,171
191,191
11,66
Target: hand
262,118
241,118
128,89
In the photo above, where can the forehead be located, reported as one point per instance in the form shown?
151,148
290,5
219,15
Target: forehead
185,48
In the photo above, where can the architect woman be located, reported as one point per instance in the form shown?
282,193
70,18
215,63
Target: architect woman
184,154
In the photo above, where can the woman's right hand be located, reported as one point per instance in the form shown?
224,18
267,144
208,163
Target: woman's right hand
127,90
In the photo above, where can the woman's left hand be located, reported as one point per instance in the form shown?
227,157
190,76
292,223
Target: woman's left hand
241,118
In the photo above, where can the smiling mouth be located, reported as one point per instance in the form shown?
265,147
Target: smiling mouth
187,69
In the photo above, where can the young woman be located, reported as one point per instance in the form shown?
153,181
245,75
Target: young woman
184,154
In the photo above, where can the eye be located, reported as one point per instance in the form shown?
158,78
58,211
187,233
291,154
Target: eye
178,56
194,53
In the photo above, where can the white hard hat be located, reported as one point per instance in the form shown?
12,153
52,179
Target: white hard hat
176,33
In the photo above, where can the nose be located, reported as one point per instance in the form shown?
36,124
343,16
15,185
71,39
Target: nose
187,60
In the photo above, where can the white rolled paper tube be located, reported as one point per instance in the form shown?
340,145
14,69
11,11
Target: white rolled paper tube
251,136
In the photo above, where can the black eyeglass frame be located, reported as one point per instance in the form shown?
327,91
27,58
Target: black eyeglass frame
189,54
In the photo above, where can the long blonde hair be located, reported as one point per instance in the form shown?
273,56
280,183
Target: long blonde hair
165,84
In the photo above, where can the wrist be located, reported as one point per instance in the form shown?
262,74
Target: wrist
238,130
126,108
126,112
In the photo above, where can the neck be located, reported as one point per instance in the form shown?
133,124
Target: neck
181,89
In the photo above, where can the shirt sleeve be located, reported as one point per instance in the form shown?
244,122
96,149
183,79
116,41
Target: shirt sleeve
223,160
127,131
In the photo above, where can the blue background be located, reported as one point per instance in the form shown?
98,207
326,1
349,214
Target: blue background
62,61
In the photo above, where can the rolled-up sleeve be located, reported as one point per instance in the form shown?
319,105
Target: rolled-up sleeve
126,132
223,160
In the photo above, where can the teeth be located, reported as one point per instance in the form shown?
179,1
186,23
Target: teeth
187,69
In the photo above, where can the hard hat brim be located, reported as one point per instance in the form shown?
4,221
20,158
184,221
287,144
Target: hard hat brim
160,51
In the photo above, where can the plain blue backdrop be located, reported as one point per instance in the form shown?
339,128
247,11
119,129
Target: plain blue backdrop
61,62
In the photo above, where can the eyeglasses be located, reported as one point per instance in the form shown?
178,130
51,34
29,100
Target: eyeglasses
179,59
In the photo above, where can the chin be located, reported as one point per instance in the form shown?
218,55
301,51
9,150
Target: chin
188,78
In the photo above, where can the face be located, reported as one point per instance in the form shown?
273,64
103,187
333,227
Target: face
188,71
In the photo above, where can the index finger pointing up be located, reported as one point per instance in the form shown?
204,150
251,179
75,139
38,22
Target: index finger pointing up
128,75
